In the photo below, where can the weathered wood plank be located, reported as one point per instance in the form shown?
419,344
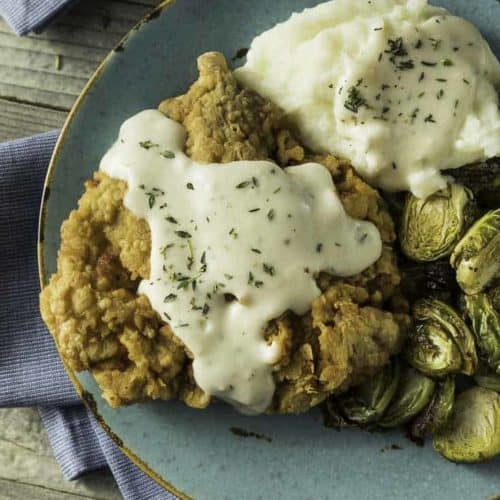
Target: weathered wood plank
28,470
19,119
50,68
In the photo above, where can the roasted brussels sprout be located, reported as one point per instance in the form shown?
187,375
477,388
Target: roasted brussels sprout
441,343
412,396
487,378
476,258
485,320
332,415
431,227
472,433
428,279
483,179
367,402
436,414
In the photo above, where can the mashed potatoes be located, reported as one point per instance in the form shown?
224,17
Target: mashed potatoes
400,88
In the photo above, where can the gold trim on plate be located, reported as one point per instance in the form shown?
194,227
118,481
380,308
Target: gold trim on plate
86,397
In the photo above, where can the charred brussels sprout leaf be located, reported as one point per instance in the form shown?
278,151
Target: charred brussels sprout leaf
436,414
430,279
441,343
473,432
431,227
412,396
483,179
476,258
485,320
367,402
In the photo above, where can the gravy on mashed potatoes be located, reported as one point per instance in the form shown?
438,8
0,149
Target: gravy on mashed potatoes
400,88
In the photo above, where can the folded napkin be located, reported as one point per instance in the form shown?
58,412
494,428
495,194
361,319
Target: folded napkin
31,373
24,16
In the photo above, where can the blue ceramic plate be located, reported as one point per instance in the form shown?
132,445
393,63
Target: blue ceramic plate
194,453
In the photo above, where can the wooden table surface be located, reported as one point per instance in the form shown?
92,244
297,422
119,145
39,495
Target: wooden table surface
40,77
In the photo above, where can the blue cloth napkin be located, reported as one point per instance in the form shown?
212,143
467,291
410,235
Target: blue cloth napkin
24,16
31,373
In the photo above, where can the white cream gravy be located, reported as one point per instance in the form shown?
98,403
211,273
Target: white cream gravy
246,229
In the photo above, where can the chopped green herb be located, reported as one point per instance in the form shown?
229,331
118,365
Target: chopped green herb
319,247
255,182
171,219
268,269
242,185
254,210
440,94
205,309
277,190
170,297
189,185
429,118
169,155
182,234
255,250
354,100
233,233
270,214
228,276
447,62
428,63
147,144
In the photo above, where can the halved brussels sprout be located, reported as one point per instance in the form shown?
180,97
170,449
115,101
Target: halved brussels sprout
487,378
367,402
485,319
473,431
441,343
476,258
431,227
412,396
436,414
483,179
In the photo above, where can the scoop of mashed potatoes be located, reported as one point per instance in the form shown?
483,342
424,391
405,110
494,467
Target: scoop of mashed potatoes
101,324
400,88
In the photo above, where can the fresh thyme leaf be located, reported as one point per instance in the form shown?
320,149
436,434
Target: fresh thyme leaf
254,210
169,155
242,185
170,297
147,144
270,214
268,269
428,63
397,48
151,200
354,100
182,234
255,250
429,119
171,219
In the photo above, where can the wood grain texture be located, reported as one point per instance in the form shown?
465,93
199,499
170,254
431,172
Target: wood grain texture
40,77
43,73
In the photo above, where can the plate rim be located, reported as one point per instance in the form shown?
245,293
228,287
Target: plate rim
85,397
